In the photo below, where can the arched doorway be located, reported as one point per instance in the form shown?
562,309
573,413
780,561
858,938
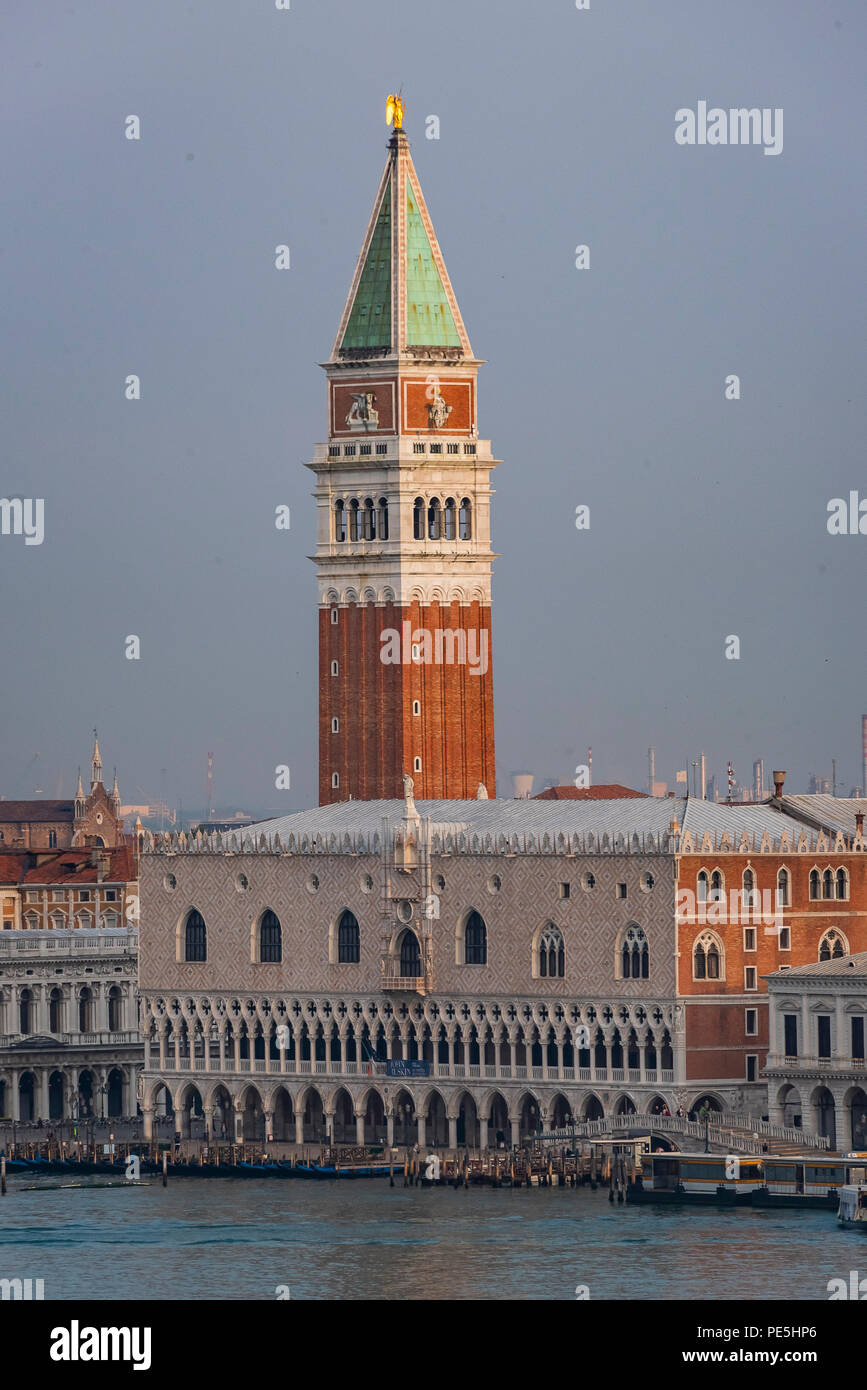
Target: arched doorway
375,1129
85,1094
468,1122
789,1101
314,1117
27,1098
283,1115
704,1104
824,1111
531,1116
221,1119
344,1118
499,1128
561,1112
253,1117
624,1105
410,955
55,1096
405,1120
592,1109
190,1108
114,1099
437,1127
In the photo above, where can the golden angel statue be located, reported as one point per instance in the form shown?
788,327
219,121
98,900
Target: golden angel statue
394,109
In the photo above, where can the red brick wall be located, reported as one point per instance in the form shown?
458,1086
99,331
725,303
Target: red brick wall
379,736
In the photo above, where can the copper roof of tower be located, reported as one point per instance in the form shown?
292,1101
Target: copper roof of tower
401,299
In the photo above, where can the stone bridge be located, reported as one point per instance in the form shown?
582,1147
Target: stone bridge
724,1133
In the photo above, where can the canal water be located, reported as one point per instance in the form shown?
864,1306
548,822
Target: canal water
245,1238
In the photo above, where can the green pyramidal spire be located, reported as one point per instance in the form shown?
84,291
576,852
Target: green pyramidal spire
401,296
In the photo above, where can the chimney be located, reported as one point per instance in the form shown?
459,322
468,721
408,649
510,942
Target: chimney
779,779
859,822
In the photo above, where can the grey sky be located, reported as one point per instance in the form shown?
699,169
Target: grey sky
602,387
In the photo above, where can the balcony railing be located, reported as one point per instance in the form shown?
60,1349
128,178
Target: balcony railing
779,1062
394,982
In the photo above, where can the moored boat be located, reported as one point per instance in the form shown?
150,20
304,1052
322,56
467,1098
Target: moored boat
852,1209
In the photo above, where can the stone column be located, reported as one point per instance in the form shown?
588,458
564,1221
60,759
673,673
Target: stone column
389,1128
642,1035
222,1041
422,1130
453,1132
41,1096
560,1056
513,1054
208,1116
299,1125
516,1131
269,1126
359,1127
162,1041
147,1043
176,1038
236,1038
239,1120
148,1122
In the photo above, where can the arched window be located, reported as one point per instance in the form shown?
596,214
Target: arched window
368,530
348,939
701,887
339,521
410,956
25,1011
749,887
85,1011
270,938
195,937
354,528
716,885
841,880
783,888
706,958
450,519
827,884
52,839
434,519
465,520
833,946
55,1012
475,940
418,519
634,955
382,519
115,1005
815,885
551,962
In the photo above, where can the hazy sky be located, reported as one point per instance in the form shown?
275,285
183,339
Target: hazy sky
602,387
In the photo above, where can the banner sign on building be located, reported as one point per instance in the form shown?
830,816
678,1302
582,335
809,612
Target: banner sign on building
395,1068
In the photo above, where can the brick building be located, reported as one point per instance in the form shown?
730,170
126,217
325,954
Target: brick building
92,819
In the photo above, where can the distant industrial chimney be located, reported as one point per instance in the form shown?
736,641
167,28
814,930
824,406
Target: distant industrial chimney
759,779
702,791
522,785
779,779
864,752
651,770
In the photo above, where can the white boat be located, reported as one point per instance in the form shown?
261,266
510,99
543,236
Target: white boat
852,1210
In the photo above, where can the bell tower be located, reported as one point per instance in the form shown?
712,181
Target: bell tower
403,494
